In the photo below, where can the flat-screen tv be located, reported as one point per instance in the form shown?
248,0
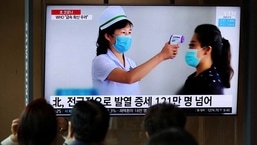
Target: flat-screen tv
71,33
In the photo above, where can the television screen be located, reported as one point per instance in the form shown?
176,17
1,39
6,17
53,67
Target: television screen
71,32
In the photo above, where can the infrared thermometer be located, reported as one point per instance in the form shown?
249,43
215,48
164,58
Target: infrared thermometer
176,39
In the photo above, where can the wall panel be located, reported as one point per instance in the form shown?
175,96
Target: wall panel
11,63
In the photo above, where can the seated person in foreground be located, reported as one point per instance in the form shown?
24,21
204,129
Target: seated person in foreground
162,116
37,125
172,136
89,123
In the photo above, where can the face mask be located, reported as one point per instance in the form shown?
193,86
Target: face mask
122,43
191,57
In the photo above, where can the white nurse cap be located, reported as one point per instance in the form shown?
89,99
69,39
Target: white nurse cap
111,15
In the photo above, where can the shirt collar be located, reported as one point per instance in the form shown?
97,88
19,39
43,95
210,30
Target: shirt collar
115,59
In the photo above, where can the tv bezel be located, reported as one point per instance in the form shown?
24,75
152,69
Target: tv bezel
205,5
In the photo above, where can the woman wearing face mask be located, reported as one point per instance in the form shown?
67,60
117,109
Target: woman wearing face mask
210,54
114,73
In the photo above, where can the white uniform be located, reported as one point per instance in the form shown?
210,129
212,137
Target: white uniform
102,65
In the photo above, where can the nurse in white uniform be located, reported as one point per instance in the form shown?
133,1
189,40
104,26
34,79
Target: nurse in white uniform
113,73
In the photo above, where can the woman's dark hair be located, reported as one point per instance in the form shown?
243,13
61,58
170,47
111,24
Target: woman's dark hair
162,116
90,121
38,125
172,136
102,44
210,35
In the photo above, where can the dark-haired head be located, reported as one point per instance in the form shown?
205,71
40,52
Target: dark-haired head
90,121
210,35
163,116
102,43
38,125
172,136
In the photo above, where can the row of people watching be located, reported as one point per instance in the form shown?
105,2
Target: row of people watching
164,124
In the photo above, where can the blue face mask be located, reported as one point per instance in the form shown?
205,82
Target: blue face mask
191,58
122,43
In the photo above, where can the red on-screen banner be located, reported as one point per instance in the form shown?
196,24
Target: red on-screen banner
65,12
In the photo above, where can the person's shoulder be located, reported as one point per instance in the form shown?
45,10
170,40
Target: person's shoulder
101,58
213,79
76,142
8,141
213,75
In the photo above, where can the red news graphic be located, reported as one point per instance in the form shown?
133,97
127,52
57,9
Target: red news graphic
69,14
66,12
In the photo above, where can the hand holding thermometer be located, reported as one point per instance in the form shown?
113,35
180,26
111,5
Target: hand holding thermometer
174,40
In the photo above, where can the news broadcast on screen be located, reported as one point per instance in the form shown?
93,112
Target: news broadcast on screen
71,33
